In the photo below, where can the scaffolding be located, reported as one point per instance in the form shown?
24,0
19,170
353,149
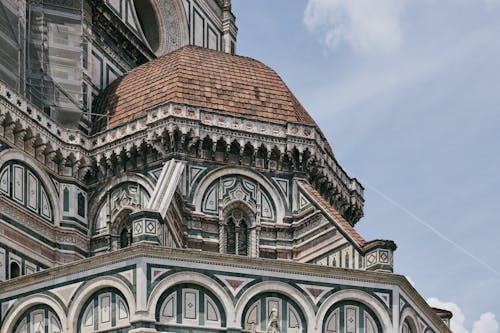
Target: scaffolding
11,51
52,45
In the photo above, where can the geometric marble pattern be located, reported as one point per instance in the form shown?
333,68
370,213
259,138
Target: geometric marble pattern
384,297
67,292
6,306
315,292
402,304
282,185
303,201
128,275
157,272
234,284
422,326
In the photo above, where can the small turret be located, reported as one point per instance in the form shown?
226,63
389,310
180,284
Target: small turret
379,255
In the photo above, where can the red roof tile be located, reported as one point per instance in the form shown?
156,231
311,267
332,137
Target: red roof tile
204,78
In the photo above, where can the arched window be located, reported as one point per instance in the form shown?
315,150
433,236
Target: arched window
15,270
38,319
105,310
242,238
189,305
81,204
66,199
22,184
231,236
270,311
351,317
236,232
122,200
231,189
408,327
125,238
121,228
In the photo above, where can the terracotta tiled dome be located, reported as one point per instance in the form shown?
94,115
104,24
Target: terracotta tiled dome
204,78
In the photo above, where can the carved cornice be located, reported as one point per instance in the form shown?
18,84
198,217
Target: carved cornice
215,125
217,261
380,244
71,153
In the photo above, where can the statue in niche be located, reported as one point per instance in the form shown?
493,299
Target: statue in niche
273,323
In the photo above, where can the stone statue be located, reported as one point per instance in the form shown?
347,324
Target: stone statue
273,323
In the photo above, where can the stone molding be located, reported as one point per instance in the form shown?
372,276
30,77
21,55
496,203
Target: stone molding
42,228
73,154
219,262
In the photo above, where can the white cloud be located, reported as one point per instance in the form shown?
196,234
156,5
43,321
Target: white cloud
367,25
458,320
417,60
487,322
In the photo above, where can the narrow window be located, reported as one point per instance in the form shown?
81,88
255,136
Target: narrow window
231,237
66,200
15,270
124,238
81,205
242,239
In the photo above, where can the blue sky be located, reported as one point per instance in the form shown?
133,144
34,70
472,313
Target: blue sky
408,94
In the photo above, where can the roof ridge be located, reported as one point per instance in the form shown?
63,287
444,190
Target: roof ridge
333,213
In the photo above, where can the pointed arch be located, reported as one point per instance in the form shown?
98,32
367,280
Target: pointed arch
97,200
239,218
211,177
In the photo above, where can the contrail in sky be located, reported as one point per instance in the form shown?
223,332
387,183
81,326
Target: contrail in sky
434,230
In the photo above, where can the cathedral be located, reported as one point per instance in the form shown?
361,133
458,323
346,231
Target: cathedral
152,180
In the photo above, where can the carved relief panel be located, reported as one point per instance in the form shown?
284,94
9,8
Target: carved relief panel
124,197
230,189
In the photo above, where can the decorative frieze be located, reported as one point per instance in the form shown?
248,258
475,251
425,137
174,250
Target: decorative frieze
222,292
185,130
